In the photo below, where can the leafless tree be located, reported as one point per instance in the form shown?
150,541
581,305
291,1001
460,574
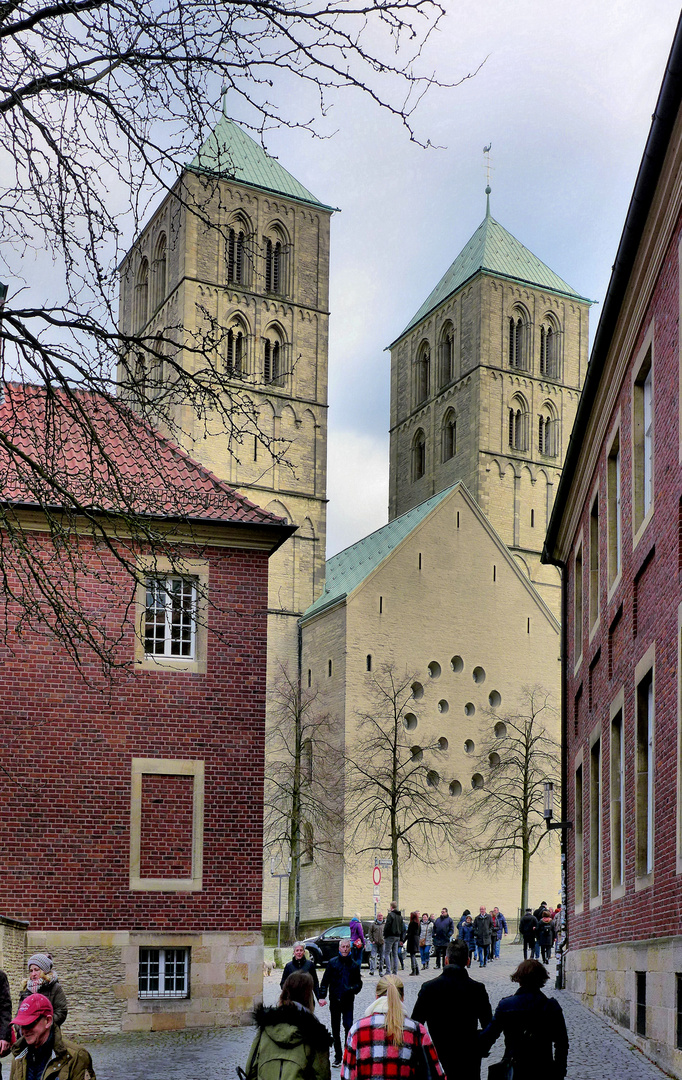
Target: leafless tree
102,105
303,785
503,819
395,802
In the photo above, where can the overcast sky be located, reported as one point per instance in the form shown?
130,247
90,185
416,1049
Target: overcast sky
565,96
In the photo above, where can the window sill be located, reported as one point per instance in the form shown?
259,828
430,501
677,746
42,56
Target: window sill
618,892
644,882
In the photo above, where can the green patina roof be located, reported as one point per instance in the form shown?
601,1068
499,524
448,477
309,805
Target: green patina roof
230,152
345,571
496,251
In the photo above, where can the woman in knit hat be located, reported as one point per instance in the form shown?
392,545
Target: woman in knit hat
43,980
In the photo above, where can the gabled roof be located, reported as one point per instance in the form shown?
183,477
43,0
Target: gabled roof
231,153
496,251
109,460
346,571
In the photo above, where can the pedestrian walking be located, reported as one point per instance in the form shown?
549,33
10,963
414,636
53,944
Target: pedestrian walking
393,935
5,1015
385,1043
462,920
375,936
528,926
455,1000
42,979
41,1050
291,1043
412,941
443,929
536,1042
425,940
343,981
357,940
545,935
299,963
483,931
501,928
467,936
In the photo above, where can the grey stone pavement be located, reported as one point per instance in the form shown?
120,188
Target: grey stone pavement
597,1051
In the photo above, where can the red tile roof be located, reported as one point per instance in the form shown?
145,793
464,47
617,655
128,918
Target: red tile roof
103,457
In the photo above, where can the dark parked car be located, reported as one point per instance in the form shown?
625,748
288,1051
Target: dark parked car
326,944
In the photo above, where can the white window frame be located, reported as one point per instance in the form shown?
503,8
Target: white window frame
169,583
163,960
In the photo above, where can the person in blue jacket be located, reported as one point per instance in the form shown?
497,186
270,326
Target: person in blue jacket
501,928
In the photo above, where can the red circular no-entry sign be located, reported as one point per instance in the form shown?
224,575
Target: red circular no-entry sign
376,876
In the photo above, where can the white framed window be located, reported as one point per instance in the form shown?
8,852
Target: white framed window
163,973
170,618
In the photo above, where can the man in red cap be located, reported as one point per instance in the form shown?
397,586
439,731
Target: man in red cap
42,1051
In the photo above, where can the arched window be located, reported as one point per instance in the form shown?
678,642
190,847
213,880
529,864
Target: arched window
157,373
238,264
549,348
447,354
273,266
548,432
418,455
518,424
422,372
518,339
273,357
235,350
142,294
449,436
160,271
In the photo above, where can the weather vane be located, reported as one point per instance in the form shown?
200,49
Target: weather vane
486,151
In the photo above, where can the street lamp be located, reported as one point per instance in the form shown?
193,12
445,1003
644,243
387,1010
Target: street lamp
548,809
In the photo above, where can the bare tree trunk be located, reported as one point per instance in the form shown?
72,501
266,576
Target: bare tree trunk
295,851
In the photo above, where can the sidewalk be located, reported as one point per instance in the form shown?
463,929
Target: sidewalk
596,1050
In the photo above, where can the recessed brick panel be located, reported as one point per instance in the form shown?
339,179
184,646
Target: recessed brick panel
166,826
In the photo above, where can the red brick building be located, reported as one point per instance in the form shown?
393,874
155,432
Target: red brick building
616,530
132,778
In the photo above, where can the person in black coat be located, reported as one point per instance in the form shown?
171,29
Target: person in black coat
299,963
528,926
452,1006
342,977
5,1014
535,1037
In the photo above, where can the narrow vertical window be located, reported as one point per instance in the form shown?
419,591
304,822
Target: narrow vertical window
329,668
418,456
613,511
578,606
644,809
422,372
381,605
369,661
579,835
678,1006
310,677
642,441
617,803
594,563
517,343
640,1002
595,820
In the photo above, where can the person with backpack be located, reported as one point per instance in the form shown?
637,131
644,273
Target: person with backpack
394,933
535,1037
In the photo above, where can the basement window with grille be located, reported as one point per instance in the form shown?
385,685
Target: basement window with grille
163,973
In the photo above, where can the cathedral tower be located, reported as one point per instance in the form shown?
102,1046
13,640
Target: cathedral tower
485,382
237,256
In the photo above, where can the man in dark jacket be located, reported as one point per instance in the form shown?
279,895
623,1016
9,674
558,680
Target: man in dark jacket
483,932
42,1051
528,925
452,1002
299,963
5,1014
342,977
443,929
394,933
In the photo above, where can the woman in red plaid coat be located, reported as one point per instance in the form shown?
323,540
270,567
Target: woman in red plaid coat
386,1045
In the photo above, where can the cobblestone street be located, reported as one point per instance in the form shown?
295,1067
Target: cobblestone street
596,1052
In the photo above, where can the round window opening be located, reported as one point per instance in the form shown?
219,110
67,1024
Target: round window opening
469,746
410,721
479,675
477,781
443,743
494,759
495,699
500,730
434,669
457,664
469,708
417,691
443,706
417,753
432,778
455,788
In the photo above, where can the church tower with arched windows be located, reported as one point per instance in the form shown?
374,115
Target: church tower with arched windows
232,274
485,382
